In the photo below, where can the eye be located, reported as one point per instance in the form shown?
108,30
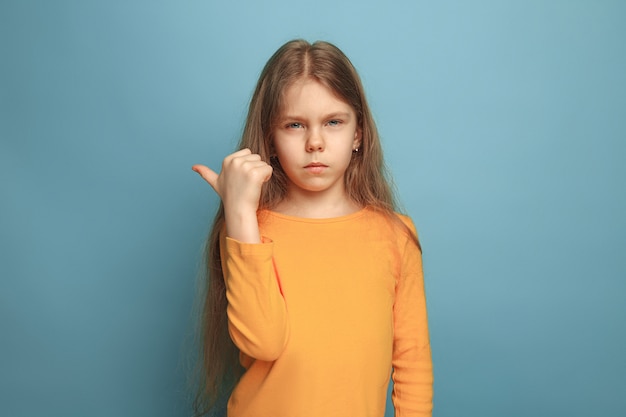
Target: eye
294,125
334,122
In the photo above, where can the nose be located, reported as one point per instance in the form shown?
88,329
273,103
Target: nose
315,141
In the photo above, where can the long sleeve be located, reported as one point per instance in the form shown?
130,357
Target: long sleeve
412,375
257,314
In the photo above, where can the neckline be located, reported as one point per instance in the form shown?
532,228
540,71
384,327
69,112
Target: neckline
343,218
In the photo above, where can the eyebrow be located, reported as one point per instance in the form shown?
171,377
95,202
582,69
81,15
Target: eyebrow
335,115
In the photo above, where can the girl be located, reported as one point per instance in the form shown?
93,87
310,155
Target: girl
315,285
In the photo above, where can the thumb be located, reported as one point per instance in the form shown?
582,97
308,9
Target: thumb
208,175
269,173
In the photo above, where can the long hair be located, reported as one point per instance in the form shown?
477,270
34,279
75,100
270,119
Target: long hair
366,181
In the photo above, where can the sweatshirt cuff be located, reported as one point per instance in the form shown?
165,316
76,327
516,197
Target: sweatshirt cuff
263,249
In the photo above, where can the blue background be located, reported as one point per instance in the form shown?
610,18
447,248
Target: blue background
504,123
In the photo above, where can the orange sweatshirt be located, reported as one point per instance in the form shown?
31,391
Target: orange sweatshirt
321,311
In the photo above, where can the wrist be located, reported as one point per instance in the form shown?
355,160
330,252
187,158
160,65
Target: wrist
242,225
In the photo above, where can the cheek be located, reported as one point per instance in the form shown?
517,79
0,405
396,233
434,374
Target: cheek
285,152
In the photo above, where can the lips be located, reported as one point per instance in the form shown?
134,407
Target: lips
316,167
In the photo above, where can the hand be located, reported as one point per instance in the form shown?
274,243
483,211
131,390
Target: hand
240,181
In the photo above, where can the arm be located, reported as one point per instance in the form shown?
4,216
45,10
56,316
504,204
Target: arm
257,319
412,375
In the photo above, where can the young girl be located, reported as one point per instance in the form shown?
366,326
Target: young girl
315,288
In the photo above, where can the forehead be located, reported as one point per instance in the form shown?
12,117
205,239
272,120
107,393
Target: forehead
311,95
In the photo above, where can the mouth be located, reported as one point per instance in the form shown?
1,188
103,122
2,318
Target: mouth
316,167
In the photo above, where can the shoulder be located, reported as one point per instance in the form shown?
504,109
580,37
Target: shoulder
410,229
397,224
407,221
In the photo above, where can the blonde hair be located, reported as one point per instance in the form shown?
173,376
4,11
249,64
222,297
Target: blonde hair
366,181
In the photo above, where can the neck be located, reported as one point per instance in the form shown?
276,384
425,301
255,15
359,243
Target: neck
316,205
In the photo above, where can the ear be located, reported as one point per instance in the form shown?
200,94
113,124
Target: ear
356,143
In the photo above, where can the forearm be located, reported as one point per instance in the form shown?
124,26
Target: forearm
257,312
413,383
242,225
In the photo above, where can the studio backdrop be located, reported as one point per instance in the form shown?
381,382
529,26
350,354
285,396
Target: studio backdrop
503,122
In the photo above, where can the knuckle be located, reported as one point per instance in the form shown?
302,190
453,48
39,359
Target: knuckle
257,175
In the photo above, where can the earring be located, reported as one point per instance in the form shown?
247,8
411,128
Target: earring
355,150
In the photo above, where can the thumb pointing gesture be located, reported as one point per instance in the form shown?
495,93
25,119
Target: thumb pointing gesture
209,176
239,186
240,181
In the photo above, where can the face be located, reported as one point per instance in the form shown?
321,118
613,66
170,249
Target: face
314,140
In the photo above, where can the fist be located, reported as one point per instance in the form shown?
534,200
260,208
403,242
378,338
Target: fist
240,181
